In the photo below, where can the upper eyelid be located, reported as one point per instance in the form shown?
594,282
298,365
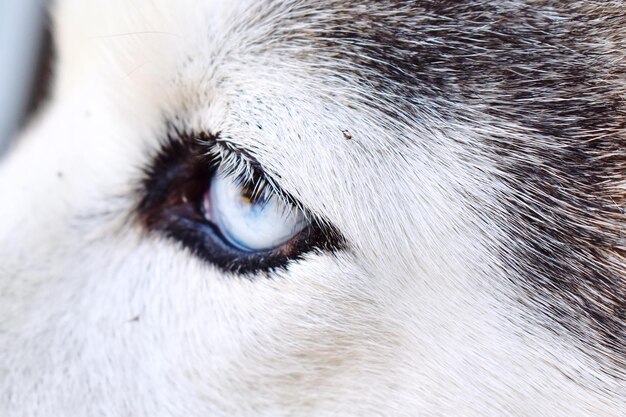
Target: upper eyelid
221,152
222,149
243,165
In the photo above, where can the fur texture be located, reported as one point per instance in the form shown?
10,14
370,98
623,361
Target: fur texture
470,155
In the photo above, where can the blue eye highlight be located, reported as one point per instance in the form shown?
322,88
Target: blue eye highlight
248,221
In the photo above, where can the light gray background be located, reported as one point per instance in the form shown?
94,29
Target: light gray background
20,32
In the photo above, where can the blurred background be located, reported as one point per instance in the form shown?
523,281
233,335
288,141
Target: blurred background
24,63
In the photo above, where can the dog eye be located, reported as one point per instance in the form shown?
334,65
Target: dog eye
249,219
216,201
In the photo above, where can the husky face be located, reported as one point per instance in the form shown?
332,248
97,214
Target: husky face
454,174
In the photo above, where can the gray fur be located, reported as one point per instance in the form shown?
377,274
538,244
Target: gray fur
546,83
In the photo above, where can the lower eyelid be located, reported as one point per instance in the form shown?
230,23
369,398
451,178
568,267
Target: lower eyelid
206,242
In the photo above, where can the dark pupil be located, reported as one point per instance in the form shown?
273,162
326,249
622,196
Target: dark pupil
249,196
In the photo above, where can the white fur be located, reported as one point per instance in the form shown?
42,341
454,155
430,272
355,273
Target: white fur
98,318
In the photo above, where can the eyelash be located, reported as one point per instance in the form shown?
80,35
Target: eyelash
245,172
172,188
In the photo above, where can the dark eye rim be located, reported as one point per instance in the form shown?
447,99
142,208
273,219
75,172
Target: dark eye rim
171,193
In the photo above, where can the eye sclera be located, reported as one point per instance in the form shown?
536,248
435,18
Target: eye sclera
248,220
